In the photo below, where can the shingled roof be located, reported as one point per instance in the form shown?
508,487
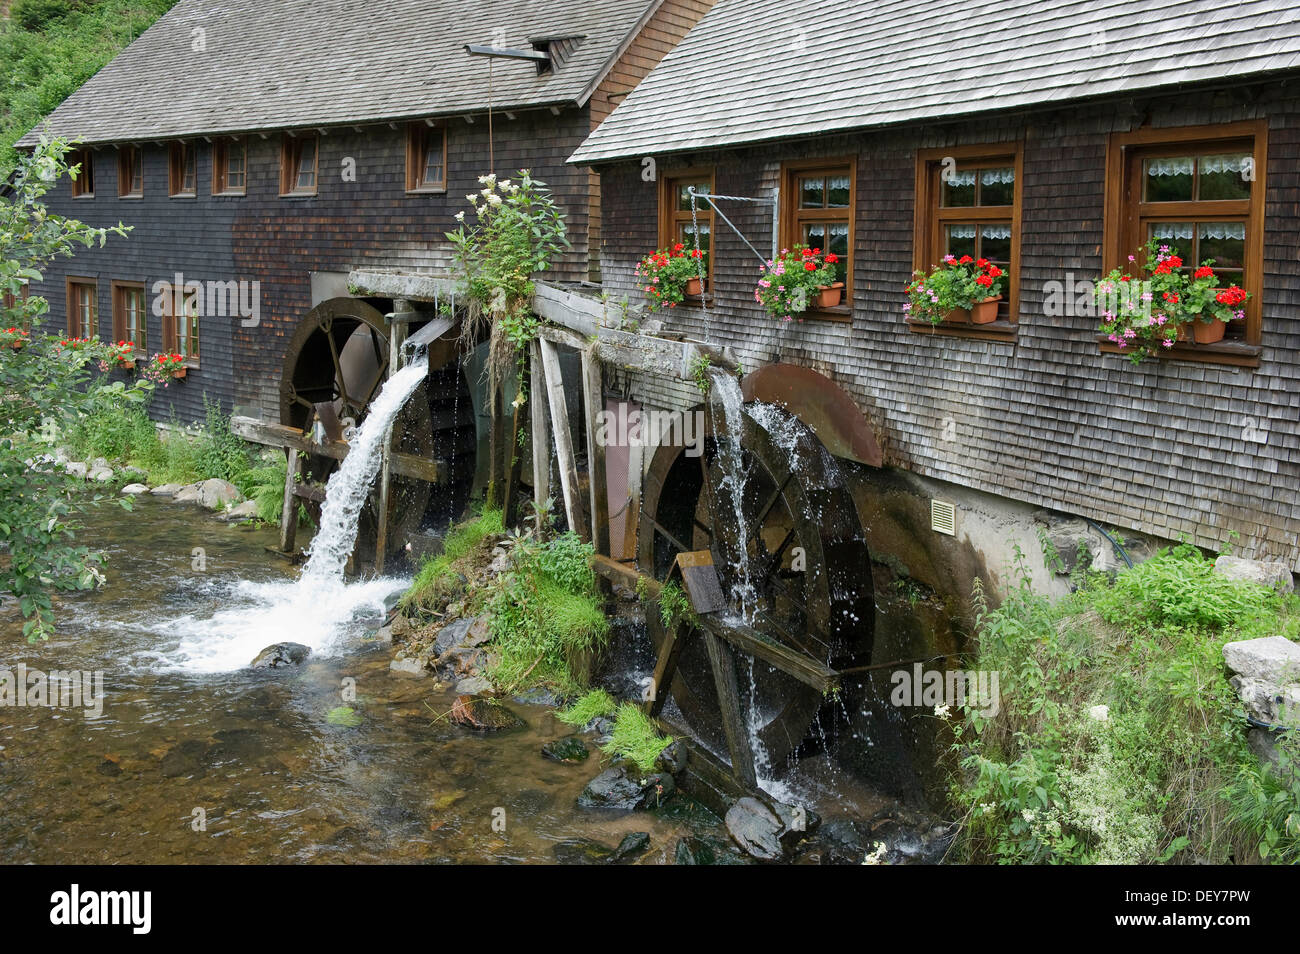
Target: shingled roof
755,70
301,63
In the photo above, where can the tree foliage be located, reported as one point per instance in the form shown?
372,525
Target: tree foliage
47,385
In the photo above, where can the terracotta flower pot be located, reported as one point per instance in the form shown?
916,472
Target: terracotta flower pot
957,316
694,286
828,296
1208,332
179,373
985,311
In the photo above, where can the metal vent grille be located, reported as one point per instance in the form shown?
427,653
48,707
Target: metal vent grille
943,517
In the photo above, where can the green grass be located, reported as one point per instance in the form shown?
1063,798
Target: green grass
589,706
636,737
1168,776
547,617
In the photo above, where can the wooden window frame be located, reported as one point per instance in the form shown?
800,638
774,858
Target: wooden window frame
176,154
669,216
928,229
1125,215
221,150
171,331
790,216
73,302
83,187
130,159
417,134
290,154
118,290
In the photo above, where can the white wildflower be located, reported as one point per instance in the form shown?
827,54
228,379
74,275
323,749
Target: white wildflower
460,216
494,199
941,711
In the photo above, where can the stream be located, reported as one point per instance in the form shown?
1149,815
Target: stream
195,758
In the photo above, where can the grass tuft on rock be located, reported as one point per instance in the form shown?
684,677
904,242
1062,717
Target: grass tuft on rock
438,581
636,737
590,706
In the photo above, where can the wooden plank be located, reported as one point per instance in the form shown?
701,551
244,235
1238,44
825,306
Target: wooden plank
510,505
563,441
289,508
281,435
625,575
799,665
666,666
541,434
593,399
733,720
700,580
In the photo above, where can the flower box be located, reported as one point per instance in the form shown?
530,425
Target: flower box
956,316
1208,332
694,287
957,291
798,280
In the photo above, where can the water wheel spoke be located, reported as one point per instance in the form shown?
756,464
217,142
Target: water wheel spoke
667,534
701,526
767,507
731,550
339,378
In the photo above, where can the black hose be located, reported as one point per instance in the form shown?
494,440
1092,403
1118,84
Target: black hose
1119,549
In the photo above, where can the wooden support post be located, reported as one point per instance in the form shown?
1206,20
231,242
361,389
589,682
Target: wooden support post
666,666
510,505
540,434
593,397
289,510
723,664
563,440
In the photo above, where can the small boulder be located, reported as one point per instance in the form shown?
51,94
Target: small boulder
401,627
582,851
101,474
187,494
451,635
218,494
134,490
909,838
474,686
279,655
410,666
166,490
569,749
619,789
76,468
1274,658
243,511
756,828
1274,575
673,758
483,715
633,844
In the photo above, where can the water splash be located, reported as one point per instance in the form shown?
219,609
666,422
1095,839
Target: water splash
350,485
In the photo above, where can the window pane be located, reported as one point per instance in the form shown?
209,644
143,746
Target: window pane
837,192
686,236
1168,180
838,242
960,240
997,186
995,242
684,196
190,170
307,165
1225,242
958,190
1180,237
814,236
235,166
812,192
1224,177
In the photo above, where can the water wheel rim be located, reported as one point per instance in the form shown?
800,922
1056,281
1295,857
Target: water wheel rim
808,483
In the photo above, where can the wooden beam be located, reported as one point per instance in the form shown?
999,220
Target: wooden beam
593,398
733,720
513,465
289,508
666,666
563,441
797,664
281,435
540,435
626,575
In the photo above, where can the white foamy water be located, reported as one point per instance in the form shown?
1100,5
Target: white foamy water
317,610
724,391
319,614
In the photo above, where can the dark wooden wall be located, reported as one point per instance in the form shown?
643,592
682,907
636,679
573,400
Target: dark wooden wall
1048,420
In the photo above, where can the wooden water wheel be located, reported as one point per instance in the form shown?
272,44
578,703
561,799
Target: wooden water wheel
809,568
335,365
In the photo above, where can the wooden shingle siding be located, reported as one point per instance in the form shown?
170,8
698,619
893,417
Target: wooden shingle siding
1164,448
279,241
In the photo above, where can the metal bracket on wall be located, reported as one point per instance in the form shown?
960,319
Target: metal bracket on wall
712,201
